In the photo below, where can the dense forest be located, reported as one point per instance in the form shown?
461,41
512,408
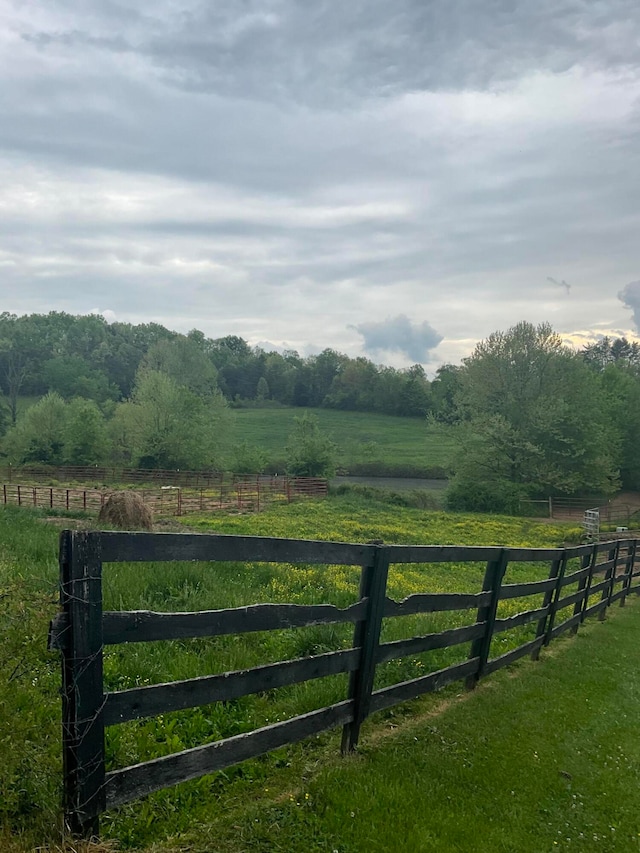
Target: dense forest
534,416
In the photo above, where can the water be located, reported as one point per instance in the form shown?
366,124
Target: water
395,484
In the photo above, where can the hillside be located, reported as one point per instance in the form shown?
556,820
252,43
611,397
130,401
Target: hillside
367,443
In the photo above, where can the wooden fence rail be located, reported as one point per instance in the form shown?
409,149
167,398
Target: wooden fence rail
599,575
248,495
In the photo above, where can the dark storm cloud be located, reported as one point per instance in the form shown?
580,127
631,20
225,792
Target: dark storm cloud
630,297
324,53
400,334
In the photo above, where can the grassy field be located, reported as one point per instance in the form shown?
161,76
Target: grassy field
363,439
539,758
289,800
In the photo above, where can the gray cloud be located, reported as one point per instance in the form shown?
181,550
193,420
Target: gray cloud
630,297
258,166
399,334
331,53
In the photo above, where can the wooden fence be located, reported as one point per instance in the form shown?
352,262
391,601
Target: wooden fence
247,495
566,595
112,474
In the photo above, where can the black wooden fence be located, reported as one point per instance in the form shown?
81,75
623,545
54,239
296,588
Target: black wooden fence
605,573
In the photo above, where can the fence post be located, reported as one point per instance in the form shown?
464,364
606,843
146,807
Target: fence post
4,492
554,571
550,507
492,582
610,574
631,559
553,607
373,585
584,585
19,497
82,690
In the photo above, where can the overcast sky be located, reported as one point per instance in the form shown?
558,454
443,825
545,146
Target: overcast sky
393,178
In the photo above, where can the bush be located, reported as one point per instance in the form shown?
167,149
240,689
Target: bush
416,498
499,496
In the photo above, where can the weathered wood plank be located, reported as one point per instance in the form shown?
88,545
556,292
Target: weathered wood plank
82,696
596,608
136,626
568,600
564,626
138,702
555,576
599,568
578,551
519,619
159,547
389,696
621,593
602,585
576,577
122,786
441,553
416,645
362,685
533,555
510,657
436,602
491,584
520,590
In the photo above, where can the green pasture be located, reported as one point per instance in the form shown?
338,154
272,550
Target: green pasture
380,442
290,799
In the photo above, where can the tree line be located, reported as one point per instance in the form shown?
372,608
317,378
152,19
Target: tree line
87,357
534,417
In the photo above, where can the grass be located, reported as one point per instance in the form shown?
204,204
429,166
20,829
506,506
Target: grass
367,443
543,757
29,680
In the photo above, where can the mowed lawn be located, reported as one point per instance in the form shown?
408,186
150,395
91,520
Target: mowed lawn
360,436
542,757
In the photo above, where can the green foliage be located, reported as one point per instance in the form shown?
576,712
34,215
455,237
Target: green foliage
248,459
73,376
535,423
165,425
39,434
86,440
52,432
310,453
184,360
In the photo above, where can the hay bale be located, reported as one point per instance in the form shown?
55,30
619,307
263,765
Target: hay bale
127,511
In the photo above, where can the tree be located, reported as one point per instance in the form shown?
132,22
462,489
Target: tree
535,422
165,425
309,452
86,440
73,376
184,360
39,433
262,389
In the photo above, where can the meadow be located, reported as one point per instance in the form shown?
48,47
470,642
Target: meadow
30,771
367,443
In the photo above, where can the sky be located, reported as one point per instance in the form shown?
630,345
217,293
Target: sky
389,179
